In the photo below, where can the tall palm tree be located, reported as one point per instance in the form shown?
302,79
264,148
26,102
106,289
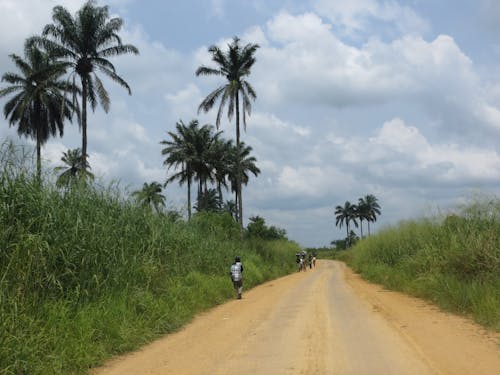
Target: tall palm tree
345,214
373,209
203,151
73,171
178,154
242,164
84,43
362,212
234,65
38,107
150,196
221,161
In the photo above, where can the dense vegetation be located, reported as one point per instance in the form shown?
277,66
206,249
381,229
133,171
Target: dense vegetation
453,261
86,273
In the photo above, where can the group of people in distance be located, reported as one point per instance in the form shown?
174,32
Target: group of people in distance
236,271
303,260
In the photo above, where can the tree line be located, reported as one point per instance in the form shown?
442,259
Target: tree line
59,77
367,210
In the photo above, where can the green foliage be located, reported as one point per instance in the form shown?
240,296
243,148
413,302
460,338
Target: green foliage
85,273
257,228
454,261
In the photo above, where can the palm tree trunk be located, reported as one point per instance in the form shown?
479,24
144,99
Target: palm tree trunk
361,226
347,229
238,165
38,155
38,135
189,198
368,228
200,191
219,190
84,123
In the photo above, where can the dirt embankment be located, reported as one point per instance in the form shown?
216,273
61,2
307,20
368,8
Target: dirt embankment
323,321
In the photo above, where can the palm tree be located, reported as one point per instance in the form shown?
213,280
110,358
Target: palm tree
204,149
373,209
190,149
230,208
150,196
345,214
209,201
177,155
242,160
235,65
84,43
38,107
73,171
362,212
221,160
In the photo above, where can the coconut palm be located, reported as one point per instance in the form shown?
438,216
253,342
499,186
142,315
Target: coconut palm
234,65
373,209
73,171
150,196
345,214
38,106
84,43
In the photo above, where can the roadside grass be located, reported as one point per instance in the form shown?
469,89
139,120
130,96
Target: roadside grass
454,260
86,274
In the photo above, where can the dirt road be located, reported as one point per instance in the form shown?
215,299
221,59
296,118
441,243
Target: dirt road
323,321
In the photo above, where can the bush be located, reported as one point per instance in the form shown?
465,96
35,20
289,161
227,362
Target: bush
85,273
454,261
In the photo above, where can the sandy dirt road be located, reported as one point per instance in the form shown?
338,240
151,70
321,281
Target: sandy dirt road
323,321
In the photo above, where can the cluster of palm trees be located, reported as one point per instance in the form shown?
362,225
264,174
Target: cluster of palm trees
367,209
199,154
46,92
58,78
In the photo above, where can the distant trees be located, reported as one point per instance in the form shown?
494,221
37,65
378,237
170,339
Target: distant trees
73,170
257,228
150,196
367,209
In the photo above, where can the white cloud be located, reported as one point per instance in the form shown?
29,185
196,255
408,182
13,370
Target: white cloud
354,16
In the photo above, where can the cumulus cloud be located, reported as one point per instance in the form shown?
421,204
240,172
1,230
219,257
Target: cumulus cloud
344,109
354,16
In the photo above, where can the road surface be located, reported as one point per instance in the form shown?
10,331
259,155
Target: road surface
323,321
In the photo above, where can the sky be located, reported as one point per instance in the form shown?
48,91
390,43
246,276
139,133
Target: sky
399,99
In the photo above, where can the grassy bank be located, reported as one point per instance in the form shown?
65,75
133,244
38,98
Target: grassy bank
86,274
452,261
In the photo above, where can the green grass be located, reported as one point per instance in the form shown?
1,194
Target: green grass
86,274
453,261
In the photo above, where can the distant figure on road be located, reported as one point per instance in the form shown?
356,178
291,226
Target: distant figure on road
314,260
237,276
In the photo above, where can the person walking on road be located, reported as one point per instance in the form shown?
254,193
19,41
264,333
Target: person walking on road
237,276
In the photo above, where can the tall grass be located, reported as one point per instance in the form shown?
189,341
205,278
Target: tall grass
453,260
86,273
